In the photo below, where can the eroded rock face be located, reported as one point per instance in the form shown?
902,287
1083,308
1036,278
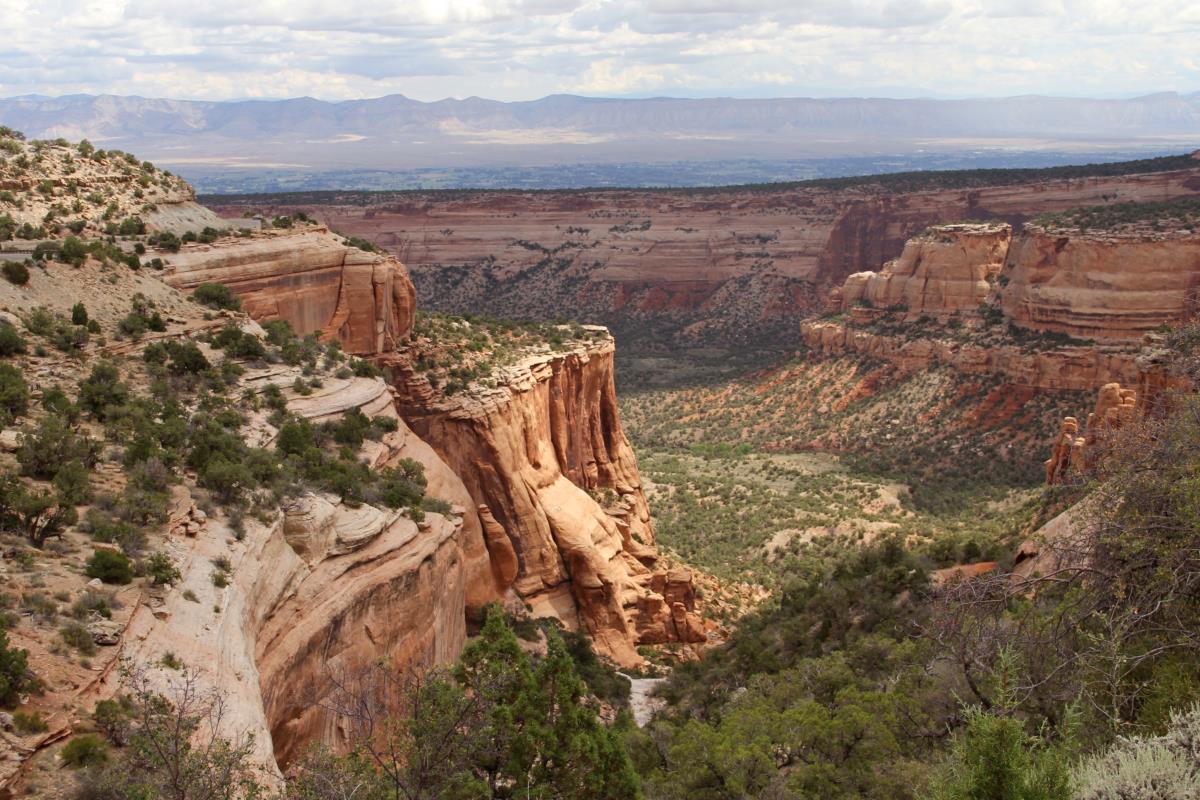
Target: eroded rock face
309,278
529,452
1116,407
319,593
727,261
1081,367
1101,287
947,269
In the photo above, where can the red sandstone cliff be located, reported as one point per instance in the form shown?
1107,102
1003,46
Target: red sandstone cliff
947,269
1101,286
1112,288
528,451
309,278
726,260
534,453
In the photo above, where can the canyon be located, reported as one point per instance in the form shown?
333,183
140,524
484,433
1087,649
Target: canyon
587,565
929,362
740,266
537,502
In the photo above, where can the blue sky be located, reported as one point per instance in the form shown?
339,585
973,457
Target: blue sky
524,49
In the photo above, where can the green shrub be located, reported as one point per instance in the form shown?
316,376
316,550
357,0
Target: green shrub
102,390
132,226
46,449
15,676
73,482
279,332
216,295
14,393
79,314
73,251
77,636
29,723
228,481
114,719
85,751
162,570
181,358
11,342
110,567
16,272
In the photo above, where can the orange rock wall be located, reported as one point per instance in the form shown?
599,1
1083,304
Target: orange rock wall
947,269
537,455
666,253
309,278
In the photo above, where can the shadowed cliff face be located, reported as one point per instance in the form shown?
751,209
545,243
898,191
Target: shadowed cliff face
551,499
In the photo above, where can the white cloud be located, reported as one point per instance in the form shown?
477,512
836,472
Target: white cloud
521,49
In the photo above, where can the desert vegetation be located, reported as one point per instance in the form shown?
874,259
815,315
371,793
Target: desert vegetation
864,678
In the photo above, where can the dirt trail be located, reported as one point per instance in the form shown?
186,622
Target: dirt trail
641,702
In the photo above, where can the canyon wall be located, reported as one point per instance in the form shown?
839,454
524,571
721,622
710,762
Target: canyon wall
316,595
738,262
555,481
1003,293
1082,367
308,277
528,451
1076,447
947,269
1101,286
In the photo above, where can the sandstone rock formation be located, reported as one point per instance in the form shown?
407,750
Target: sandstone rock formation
728,261
947,269
1108,287
1067,449
1117,407
1072,367
308,277
529,452
318,594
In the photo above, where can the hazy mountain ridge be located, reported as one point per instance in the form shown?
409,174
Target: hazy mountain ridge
111,115
279,145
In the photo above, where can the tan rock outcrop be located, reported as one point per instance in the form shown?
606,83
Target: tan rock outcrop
947,269
311,279
1115,287
530,450
1066,447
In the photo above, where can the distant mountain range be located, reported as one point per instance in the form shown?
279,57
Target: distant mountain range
395,133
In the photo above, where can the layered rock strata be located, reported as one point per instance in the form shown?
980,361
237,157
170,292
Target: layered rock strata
948,269
311,279
1106,287
1113,287
693,257
533,453
1117,406
316,595
1080,367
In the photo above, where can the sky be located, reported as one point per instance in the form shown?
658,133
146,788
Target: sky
525,49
